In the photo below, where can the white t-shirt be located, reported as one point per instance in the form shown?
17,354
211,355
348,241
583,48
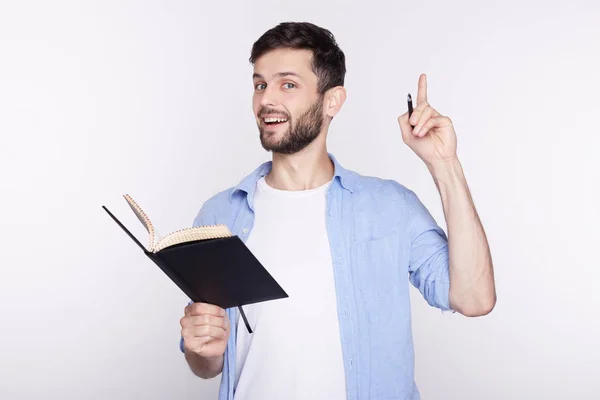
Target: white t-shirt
294,351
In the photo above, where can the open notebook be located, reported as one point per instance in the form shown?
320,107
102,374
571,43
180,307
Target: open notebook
208,264
158,243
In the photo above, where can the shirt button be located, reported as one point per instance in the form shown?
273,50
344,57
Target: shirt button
245,231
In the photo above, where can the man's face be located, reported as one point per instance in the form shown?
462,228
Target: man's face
287,107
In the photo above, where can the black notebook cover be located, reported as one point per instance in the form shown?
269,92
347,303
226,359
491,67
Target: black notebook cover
219,271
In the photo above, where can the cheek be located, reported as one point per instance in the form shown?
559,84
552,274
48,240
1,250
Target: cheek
256,100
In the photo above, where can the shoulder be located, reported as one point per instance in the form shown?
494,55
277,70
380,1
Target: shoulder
216,209
394,203
387,201
218,201
381,207
222,206
383,190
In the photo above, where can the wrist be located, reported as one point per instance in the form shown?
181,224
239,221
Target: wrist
204,367
447,172
451,184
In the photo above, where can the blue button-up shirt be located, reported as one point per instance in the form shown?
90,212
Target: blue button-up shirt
380,234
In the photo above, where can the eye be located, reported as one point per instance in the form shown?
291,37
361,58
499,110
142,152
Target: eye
289,83
259,86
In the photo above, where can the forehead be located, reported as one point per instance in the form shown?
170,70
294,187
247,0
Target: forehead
285,60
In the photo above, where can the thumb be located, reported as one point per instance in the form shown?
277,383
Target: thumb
405,127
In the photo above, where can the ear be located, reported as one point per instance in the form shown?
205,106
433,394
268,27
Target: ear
334,99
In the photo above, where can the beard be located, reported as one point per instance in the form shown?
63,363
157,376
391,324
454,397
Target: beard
297,136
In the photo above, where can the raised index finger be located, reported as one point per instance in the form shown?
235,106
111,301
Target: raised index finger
422,92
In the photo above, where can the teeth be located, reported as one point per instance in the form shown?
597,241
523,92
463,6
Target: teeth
275,120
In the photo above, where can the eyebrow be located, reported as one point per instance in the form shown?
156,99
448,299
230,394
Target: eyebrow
279,75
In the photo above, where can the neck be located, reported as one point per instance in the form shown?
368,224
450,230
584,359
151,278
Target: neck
307,169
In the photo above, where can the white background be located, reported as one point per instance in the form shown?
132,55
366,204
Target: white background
98,99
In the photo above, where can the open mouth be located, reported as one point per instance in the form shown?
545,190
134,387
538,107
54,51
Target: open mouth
274,121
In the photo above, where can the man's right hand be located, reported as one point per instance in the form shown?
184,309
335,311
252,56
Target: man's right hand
205,330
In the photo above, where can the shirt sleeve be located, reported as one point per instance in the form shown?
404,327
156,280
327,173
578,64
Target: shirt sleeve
428,260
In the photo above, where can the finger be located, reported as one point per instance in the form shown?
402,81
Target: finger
425,115
198,320
213,332
205,308
405,127
435,122
416,115
205,331
422,90
193,344
197,345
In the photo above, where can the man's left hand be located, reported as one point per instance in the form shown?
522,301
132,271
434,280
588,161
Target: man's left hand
433,138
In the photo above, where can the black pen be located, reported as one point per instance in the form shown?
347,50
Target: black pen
410,106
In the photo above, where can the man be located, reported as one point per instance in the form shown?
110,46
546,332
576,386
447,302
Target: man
342,245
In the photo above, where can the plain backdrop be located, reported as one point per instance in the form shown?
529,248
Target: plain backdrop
102,98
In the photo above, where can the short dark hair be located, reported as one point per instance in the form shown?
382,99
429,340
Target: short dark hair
328,62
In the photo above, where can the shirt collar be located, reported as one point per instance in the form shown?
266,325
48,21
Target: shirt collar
347,179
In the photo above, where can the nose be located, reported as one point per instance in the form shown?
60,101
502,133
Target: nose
269,97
